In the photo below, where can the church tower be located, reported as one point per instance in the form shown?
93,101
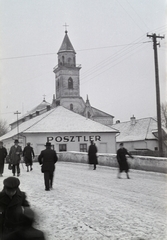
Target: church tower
67,80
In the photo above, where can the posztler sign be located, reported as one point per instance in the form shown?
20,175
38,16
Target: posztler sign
74,138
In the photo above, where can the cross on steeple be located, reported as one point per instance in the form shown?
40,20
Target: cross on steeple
65,25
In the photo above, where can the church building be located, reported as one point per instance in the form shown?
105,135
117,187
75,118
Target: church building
67,89
69,122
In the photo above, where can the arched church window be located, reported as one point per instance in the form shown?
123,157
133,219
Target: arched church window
63,59
69,60
71,106
70,83
74,60
58,84
89,114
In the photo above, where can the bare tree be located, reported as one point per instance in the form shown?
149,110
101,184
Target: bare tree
164,114
3,127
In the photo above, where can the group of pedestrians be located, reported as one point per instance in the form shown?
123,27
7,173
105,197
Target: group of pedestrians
121,158
14,157
48,158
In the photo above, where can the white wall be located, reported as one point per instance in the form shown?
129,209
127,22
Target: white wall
105,142
154,164
147,144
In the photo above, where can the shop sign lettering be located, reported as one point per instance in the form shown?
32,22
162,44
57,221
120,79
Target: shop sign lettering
66,139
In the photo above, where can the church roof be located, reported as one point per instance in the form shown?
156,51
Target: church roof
59,120
140,129
66,45
39,107
99,113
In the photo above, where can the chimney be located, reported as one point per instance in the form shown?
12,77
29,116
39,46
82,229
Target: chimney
133,120
48,107
57,103
37,113
118,121
54,101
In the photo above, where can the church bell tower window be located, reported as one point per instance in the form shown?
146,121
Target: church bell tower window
71,107
63,59
70,83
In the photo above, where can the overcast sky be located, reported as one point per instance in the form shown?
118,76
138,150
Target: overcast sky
110,39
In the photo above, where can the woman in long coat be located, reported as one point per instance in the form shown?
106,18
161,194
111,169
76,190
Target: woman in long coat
92,151
122,160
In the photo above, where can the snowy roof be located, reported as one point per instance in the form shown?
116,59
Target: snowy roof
39,107
59,120
66,45
142,129
99,113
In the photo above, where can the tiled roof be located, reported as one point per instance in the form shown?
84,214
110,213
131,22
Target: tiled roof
59,119
141,130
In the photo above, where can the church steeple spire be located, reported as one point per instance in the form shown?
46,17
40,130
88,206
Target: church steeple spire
66,45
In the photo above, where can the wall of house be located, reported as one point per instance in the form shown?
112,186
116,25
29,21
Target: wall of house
154,164
105,142
147,144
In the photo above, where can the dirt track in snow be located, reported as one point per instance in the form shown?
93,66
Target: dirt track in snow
89,205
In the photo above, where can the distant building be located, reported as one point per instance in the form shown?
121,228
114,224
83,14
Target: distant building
66,130
67,90
139,135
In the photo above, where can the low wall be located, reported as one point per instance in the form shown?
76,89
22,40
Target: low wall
154,164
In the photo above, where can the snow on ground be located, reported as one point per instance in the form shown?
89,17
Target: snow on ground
89,205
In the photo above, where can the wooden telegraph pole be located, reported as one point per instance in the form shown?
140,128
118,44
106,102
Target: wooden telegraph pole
154,39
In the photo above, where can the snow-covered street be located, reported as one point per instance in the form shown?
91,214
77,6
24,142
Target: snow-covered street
87,204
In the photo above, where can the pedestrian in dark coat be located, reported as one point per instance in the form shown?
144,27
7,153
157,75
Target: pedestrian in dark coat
26,231
3,154
28,154
15,157
12,203
92,154
47,159
122,160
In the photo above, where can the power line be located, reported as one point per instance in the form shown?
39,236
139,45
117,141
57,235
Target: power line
106,69
46,54
120,52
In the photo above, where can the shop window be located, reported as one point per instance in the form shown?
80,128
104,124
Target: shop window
83,147
62,147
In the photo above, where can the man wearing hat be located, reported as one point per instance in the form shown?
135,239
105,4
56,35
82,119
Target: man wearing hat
28,154
47,159
12,202
3,154
15,157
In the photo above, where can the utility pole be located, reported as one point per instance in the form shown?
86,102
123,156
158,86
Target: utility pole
154,39
17,124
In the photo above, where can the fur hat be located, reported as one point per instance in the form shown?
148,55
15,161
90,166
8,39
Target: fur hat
11,183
